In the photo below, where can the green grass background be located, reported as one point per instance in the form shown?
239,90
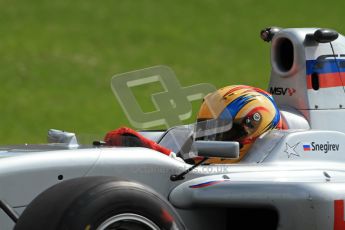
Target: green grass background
57,57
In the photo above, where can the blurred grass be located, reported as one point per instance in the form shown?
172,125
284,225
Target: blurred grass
57,57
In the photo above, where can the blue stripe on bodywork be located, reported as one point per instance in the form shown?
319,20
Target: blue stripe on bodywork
325,66
206,184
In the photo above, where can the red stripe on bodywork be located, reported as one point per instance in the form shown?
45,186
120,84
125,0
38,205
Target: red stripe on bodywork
339,223
328,80
206,184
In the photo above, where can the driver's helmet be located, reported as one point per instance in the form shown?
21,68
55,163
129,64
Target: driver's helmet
252,112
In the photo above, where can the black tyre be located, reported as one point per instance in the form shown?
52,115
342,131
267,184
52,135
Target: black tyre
99,203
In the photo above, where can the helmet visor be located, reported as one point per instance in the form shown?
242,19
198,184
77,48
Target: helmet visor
210,129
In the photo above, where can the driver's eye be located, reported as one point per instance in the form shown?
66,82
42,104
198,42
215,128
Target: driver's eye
248,122
235,133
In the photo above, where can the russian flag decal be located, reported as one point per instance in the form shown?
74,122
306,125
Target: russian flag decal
206,184
306,147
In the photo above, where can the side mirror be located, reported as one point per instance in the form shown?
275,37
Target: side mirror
222,149
62,137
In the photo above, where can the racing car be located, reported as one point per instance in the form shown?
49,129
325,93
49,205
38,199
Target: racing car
292,178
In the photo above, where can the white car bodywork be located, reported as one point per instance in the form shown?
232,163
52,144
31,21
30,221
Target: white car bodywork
298,173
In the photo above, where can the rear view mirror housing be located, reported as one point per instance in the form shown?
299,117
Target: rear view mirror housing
221,149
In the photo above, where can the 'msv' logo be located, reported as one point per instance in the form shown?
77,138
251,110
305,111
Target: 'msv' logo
282,91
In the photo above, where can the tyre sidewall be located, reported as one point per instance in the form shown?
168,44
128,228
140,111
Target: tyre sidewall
95,207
